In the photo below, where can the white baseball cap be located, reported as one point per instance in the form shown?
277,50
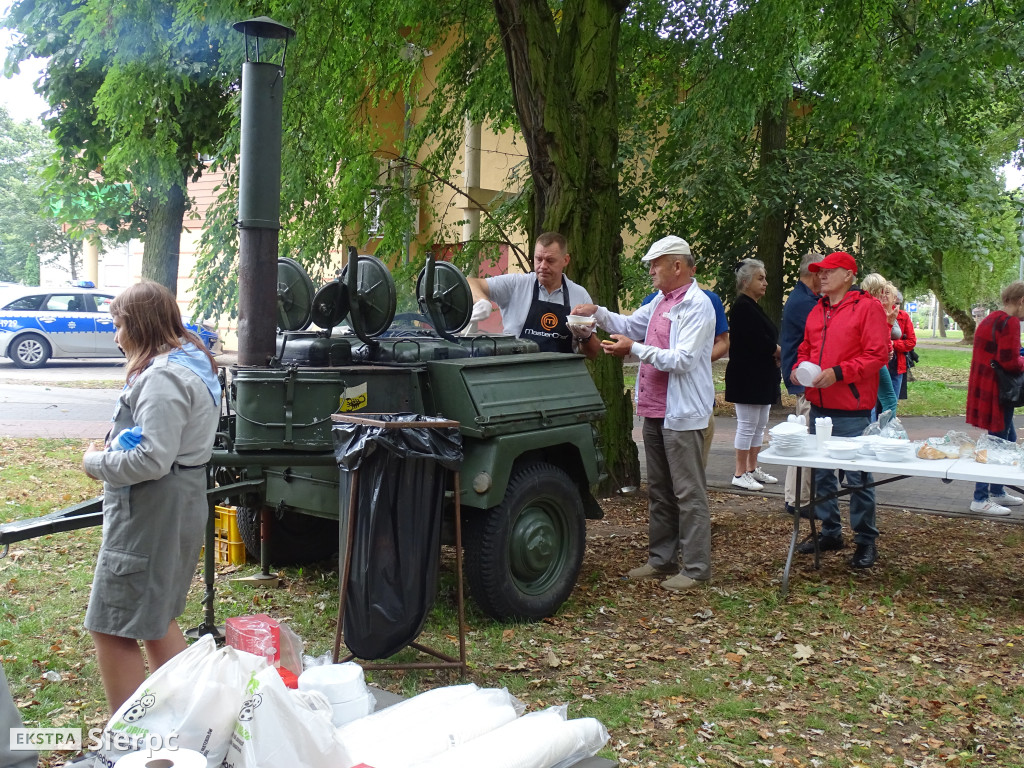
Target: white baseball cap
670,244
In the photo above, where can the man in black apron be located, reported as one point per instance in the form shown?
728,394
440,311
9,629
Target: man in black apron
536,306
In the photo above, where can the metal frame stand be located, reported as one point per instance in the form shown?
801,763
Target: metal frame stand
209,625
444,661
811,506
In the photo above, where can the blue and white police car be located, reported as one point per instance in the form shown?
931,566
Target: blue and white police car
68,322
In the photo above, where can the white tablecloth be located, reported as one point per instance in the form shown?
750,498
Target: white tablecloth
944,469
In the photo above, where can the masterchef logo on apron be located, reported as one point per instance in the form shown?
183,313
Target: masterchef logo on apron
546,322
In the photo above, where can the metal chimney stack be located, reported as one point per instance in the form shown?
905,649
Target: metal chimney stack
259,192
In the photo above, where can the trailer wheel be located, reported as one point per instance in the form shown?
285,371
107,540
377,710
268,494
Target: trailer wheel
295,539
523,556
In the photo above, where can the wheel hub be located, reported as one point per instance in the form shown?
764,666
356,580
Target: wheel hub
535,548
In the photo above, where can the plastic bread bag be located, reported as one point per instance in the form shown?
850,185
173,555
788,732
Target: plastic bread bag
542,739
995,450
953,445
891,426
291,649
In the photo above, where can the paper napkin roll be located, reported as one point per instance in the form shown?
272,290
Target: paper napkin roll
164,758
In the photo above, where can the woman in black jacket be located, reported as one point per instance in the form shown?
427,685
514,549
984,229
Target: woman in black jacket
752,376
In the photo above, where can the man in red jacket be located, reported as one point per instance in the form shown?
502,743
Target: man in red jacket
847,336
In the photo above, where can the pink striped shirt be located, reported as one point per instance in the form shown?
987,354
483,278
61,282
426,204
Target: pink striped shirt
652,384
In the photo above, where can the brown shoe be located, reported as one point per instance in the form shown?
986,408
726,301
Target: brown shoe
680,583
648,571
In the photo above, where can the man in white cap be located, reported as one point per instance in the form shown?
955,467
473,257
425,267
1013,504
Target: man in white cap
675,396
536,306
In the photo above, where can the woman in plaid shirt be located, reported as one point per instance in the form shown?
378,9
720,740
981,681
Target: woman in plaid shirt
997,337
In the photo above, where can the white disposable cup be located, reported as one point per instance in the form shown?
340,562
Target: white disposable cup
822,433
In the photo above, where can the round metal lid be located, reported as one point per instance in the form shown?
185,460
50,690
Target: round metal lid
444,295
330,305
371,295
294,295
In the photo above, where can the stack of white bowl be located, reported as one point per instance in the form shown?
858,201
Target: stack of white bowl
788,438
344,687
867,444
893,449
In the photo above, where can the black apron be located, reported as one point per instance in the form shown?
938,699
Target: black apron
547,324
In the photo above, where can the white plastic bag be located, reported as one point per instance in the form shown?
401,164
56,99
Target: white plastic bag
276,727
189,703
542,739
431,723
996,450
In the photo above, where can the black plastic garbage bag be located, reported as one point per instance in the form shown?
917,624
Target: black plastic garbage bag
397,535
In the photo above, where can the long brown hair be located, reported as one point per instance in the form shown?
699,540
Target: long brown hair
150,324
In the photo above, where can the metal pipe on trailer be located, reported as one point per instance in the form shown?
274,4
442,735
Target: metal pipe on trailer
259,192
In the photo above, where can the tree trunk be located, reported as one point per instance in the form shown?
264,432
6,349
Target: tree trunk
72,260
163,238
564,83
963,317
966,322
771,236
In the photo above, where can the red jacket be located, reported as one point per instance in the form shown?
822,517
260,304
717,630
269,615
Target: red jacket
997,337
852,338
905,343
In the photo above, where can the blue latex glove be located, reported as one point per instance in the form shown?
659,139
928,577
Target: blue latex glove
128,438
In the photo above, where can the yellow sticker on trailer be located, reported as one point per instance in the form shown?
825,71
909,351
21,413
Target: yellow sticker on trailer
353,398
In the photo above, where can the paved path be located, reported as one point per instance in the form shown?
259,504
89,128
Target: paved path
38,410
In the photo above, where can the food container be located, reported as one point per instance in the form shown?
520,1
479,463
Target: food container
842,449
806,373
347,711
581,322
340,683
893,453
867,444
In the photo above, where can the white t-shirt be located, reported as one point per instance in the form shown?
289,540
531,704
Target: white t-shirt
514,293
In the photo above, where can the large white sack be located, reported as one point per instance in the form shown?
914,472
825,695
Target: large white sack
189,703
276,727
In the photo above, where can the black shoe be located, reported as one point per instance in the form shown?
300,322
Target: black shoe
805,513
825,544
865,555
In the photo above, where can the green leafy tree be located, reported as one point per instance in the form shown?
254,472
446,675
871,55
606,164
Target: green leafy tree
868,126
135,93
29,235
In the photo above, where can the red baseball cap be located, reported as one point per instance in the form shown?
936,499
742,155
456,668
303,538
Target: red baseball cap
837,260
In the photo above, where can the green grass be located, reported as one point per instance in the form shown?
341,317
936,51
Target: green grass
954,358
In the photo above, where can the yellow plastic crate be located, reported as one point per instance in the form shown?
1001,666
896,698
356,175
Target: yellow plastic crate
230,550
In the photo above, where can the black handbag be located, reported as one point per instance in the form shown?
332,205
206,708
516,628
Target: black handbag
1011,385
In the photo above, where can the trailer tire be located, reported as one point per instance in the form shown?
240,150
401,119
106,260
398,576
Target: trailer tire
295,539
524,555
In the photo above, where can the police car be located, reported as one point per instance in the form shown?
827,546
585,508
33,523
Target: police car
39,323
